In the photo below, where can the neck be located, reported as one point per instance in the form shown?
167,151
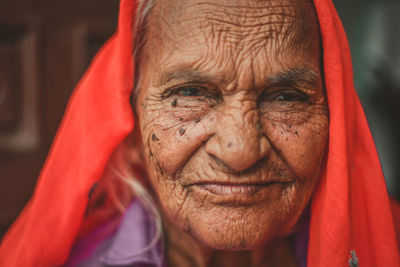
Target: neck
181,250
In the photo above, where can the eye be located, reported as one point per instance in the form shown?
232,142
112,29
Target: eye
191,94
291,97
188,91
284,96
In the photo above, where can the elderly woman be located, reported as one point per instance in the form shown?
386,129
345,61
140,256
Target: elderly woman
233,102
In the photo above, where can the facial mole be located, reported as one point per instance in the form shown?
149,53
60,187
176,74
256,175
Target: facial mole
182,131
174,102
197,120
154,138
229,144
296,132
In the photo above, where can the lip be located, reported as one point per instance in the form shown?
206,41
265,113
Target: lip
232,189
236,194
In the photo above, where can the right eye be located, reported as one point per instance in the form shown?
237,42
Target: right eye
187,91
193,95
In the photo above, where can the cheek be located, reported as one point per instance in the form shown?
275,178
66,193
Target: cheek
170,138
301,146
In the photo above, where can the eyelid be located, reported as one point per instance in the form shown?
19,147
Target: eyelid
270,94
205,89
179,89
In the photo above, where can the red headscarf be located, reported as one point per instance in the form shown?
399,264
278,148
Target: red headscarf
350,209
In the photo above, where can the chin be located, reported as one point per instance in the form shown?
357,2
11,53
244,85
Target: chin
248,222
235,244
238,228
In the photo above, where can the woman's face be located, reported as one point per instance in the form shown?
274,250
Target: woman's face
233,116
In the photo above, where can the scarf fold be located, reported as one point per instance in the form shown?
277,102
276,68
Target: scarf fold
350,210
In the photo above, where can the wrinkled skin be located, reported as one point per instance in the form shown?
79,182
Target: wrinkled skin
234,124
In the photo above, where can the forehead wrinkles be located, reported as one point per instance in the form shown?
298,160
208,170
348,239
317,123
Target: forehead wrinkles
235,35
255,27
240,24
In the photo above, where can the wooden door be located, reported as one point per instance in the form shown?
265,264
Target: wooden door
45,46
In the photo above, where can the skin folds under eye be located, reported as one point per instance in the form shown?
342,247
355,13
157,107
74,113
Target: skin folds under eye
189,102
287,106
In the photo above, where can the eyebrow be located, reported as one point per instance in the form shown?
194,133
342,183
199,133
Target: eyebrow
185,74
296,76
301,75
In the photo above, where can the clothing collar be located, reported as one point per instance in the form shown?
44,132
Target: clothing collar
133,243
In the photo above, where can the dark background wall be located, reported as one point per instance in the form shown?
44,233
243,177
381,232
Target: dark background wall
373,30
45,46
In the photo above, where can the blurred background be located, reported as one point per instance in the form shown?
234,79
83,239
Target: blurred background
45,47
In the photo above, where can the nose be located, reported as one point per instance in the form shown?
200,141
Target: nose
238,140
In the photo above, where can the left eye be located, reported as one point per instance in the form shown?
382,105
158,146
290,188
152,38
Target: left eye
188,91
284,96
291,97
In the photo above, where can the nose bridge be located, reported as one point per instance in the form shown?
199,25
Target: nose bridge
237,123
238,140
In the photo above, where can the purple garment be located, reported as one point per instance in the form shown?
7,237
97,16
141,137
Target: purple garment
127,244
301,242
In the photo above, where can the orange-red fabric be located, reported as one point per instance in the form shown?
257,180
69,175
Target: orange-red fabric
97,119
350,209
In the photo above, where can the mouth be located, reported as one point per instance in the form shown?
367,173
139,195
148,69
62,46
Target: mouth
237,193
233,189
